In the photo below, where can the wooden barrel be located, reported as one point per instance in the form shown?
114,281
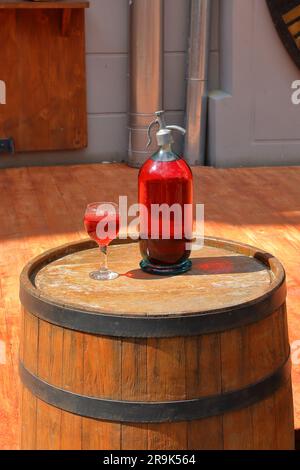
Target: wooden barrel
196,361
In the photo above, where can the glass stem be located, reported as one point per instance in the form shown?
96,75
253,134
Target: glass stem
103,250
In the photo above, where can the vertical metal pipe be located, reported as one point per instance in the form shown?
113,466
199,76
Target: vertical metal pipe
145,74
196,108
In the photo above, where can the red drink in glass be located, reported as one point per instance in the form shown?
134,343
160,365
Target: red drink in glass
110,227
102,223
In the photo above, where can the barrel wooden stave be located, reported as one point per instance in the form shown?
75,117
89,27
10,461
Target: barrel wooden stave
158,370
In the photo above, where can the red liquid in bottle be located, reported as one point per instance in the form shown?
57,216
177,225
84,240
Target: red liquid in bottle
166,182
110,228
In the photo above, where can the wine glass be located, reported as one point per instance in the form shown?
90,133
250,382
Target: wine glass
102,223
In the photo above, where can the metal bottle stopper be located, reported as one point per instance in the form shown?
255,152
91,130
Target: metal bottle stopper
164,134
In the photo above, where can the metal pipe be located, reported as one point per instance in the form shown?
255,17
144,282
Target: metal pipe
145,74
196,108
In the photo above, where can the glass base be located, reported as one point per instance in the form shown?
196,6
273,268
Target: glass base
103,275
166,270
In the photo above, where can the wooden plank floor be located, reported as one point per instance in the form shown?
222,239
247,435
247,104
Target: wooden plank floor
41,208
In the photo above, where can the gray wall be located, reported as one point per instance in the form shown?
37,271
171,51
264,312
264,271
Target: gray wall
107,90
214,56
252,120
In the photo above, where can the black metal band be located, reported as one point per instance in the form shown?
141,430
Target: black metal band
155,412
153,326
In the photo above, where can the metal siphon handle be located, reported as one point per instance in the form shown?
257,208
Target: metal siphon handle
178,129
160,121
154,123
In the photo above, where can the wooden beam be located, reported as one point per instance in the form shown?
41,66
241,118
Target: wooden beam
29,5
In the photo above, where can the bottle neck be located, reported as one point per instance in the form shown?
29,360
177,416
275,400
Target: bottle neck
165,154
167,148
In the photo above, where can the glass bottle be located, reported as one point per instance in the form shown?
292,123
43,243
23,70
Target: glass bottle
165,180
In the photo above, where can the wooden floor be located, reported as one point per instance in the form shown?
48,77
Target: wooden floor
41,208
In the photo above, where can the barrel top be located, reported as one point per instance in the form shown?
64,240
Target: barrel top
224,275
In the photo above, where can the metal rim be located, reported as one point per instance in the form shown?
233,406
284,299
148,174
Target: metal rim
159,326
155,412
